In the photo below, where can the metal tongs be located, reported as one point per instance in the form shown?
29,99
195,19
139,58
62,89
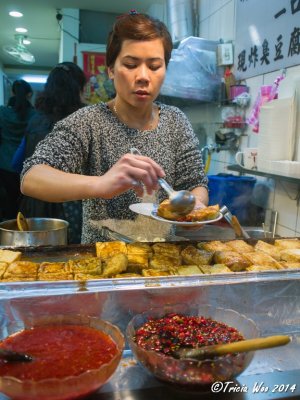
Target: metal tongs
234,222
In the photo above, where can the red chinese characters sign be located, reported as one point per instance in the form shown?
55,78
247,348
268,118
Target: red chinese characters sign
99,87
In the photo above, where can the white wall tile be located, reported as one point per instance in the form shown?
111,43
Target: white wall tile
285,232
287,208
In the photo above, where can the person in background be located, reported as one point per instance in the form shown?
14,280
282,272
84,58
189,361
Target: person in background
62,96
13,121
87,155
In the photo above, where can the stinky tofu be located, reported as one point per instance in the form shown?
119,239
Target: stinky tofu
62,276
240,246
163,262
232,259
215,269
166,249
260,268
292,255
105,250
189,270
79,276
214,245
287,243
21,269
3,266
203,214
128,275
54,268
154,272
193,256
138,255
290,265
261,258
90,265
268,248
115,265
139,248
9,256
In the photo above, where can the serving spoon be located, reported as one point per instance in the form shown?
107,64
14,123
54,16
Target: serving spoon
242,346
13,356
182,202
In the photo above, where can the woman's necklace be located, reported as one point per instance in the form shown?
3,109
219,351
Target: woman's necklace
150,124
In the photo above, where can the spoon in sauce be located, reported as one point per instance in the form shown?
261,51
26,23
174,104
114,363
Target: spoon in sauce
182,202
13,356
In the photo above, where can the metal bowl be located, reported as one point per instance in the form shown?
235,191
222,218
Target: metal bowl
42,231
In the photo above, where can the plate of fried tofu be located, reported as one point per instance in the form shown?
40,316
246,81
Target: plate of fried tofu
186,222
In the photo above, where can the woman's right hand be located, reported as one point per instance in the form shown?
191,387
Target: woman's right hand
131,172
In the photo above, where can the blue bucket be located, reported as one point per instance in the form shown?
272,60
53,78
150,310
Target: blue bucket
235,192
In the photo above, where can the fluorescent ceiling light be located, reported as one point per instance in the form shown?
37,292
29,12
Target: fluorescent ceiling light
35,78
21,30
15,14
26,41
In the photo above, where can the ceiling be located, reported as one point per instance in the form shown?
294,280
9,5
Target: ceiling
39,17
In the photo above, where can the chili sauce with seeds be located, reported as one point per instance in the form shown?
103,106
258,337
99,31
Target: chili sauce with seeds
58,351
173,331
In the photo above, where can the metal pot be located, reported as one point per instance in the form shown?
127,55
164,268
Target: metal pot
42,231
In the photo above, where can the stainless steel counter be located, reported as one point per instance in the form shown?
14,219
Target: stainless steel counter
271,299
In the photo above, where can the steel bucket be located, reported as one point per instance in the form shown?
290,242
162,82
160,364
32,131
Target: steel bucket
42,231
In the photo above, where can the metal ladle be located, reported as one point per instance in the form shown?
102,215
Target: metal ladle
182,202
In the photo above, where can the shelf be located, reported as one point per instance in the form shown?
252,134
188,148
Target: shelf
241,170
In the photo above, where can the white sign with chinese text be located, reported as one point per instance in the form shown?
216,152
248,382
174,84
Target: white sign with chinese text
267,36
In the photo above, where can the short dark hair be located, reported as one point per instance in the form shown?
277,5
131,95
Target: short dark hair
62,93
135,26
19,102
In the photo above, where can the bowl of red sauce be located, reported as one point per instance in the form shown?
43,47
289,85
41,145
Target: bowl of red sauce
73,356
155,335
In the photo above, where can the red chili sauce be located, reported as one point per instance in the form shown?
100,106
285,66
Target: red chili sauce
57,351
166,335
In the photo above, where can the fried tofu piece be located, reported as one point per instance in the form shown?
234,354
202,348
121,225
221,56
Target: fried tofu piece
290,265
9,256
154,272
90,265
18,278
21,269
3,266
291,255
164,210
287,243
240,246
189,270
62,276
232,259
106,250
260,268
167,249
115,265
86,277
214,245
268,248
138,255
261,258
163,262
128,275
139,248
137,262
203,214
215,269
193,256
54,268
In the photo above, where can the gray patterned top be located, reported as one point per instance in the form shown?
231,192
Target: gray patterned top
91,140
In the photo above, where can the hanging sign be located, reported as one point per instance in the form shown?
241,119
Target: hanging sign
267,36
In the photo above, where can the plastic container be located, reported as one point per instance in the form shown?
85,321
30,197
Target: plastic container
234,192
